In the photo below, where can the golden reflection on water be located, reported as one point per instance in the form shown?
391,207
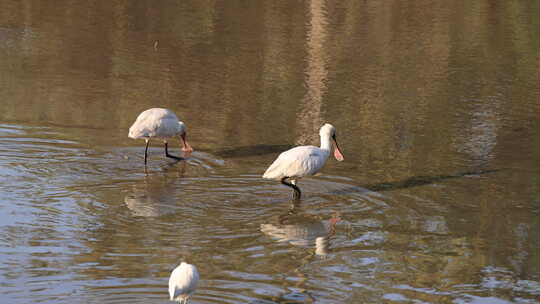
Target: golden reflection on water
436,106
309,117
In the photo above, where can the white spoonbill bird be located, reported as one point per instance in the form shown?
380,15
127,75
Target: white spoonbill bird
159,123
302,161
183,282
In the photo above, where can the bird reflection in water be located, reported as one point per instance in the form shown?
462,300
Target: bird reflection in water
303,230
155,195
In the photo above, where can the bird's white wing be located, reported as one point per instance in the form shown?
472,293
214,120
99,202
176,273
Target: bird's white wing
155,122
183,280
313,162
296,162
146,124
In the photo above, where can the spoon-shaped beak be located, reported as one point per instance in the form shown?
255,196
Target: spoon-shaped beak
337,151
186,147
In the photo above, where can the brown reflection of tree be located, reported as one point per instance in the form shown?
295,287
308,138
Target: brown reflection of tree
309,118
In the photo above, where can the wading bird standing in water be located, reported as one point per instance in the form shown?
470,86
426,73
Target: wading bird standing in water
183,282
302,161
162,124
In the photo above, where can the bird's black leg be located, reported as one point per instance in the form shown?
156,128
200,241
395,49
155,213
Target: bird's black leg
293,209
297,194
169,155
146,150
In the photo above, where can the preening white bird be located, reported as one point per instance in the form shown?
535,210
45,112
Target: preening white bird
159,123
303,161
183,282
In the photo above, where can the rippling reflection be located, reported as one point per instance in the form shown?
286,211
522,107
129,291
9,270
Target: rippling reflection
309,118
155,196
437,107
302,230
482,132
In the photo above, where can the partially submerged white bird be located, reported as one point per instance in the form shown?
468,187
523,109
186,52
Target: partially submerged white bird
159,123
183,282
302,161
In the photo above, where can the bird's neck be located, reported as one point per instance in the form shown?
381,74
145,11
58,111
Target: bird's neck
326,143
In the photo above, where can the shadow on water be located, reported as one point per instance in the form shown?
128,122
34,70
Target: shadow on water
414,181
254,150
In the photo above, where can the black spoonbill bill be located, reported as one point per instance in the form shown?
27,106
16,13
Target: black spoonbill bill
183,282
159,123
302,161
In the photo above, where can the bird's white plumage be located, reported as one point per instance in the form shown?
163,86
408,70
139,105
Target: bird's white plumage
183,282
297,162
303,160
156,122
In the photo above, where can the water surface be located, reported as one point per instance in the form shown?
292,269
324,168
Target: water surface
436,108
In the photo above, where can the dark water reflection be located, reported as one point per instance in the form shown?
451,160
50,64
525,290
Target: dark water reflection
436,107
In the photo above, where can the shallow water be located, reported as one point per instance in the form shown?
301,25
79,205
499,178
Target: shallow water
436,109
